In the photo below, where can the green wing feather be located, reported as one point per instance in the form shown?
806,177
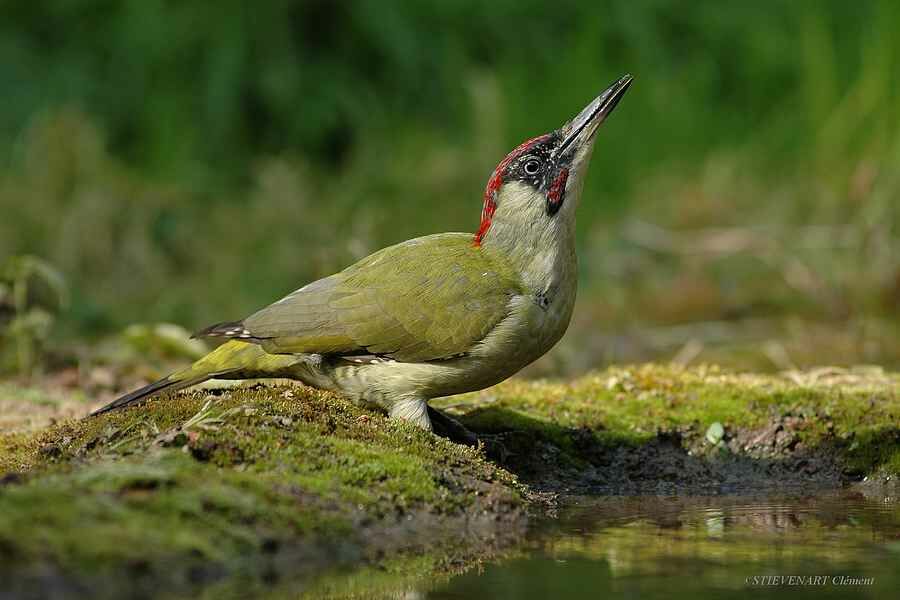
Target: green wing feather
429,298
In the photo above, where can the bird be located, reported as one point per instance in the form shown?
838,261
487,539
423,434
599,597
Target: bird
437,315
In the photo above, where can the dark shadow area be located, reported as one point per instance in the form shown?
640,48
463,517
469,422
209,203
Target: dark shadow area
872,449
552,458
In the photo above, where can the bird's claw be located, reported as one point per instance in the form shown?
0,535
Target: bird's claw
446,426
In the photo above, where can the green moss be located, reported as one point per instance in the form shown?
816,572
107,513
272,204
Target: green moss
200,480
855,410
166,506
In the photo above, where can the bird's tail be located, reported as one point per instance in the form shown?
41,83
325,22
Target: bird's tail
234,359
169,383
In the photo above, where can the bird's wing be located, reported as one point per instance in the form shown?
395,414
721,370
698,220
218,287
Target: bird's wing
426,299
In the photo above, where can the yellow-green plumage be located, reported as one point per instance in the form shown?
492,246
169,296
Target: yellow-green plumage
427,302
437,315
425,299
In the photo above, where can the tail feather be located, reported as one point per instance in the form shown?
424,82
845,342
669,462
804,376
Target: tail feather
233,360
229,329
165,384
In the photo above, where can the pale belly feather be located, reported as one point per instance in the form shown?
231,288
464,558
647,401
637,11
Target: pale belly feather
525,335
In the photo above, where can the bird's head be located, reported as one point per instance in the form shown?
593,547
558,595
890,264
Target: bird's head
538,184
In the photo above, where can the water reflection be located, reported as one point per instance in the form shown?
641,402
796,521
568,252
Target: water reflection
836,544
840,543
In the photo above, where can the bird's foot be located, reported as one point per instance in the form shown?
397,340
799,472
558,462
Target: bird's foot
446,426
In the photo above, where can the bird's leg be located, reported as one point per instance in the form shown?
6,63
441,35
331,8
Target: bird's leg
412,410
446,426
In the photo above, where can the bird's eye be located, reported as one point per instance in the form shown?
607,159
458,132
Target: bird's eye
532,166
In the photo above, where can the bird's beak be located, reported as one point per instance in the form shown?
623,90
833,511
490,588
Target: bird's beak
582,128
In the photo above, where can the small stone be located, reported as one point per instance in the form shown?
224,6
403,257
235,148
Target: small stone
715,433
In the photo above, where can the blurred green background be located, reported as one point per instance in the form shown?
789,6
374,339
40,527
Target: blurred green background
189,162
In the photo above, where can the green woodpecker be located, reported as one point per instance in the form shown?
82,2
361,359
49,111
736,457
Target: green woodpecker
437,315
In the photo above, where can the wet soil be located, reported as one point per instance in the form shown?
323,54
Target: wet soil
676,462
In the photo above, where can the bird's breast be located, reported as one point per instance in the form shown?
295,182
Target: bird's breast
554,289
552,315
536,321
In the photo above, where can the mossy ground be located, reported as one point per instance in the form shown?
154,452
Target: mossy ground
189,488
827,426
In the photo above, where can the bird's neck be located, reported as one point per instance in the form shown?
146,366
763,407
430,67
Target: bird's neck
542,254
